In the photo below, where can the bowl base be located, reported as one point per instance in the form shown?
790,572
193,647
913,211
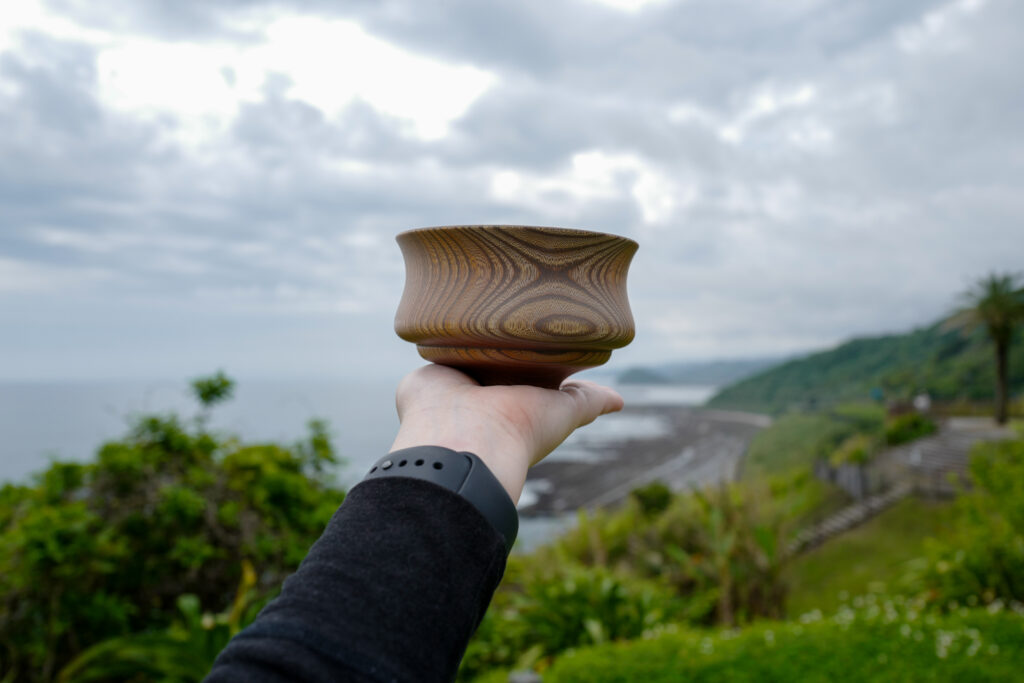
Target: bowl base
544,369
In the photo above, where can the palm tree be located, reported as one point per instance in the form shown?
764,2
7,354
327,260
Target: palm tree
997,303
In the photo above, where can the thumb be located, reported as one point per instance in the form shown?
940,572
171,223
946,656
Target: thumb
576,403
591,400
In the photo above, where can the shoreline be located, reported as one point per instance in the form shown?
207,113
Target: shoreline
697,447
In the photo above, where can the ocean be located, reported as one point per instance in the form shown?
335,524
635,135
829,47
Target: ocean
42,421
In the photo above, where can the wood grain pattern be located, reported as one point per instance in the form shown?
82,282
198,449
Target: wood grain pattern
515,304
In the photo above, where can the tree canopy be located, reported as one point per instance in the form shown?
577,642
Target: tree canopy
995,302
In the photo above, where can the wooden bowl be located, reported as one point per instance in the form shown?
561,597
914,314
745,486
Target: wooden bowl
511,304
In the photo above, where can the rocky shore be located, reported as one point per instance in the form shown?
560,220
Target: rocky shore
681,446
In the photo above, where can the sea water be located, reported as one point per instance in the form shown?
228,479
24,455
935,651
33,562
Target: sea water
41,421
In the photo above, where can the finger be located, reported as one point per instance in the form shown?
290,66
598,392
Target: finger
575,404
592,399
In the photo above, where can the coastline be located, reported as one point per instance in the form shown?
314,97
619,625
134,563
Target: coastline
692,447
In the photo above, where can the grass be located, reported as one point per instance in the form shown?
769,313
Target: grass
867,558
793,441
977,409
886,639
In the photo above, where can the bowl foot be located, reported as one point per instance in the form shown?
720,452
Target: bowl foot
515,366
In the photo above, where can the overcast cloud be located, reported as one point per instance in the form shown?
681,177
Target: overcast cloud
189,185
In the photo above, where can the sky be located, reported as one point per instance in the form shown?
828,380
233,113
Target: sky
197,184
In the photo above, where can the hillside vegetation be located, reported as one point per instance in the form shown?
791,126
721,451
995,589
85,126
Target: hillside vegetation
949,365
871,558
885,640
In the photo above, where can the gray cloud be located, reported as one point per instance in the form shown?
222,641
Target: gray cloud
795,174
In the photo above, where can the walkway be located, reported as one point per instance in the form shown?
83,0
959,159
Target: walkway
933,466
937,465
846,519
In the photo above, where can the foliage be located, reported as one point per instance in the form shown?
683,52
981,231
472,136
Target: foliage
720,549
904,428
493,676
883,639
943,362
855,449
984,559
213,389
704,546
653,498
796,440
183,652
872,557
996,302
976,408
94,551
545,610
848,433
712,556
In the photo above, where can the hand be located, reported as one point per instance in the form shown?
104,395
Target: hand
510,428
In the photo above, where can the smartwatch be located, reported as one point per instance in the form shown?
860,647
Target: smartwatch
460,472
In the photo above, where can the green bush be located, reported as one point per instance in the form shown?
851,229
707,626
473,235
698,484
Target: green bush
183,652
100,550
909,427
856,449
883,640
654,498
708,557
543,611
720,549
983,561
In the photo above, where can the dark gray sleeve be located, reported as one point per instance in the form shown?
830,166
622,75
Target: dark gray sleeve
392,591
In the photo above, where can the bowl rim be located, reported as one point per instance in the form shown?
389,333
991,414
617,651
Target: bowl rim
548,228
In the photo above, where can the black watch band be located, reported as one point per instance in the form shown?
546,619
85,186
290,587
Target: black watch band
461,472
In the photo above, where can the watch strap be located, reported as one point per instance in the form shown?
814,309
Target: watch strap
460,472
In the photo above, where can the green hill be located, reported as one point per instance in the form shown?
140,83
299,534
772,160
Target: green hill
949,365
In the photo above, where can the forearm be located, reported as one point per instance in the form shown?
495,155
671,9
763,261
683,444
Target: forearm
392,591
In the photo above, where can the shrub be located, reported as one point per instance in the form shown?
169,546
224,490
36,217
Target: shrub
856,449
721,549
983,561
183,652
711,556
653,498
908,427
543,611
884,640
94,551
